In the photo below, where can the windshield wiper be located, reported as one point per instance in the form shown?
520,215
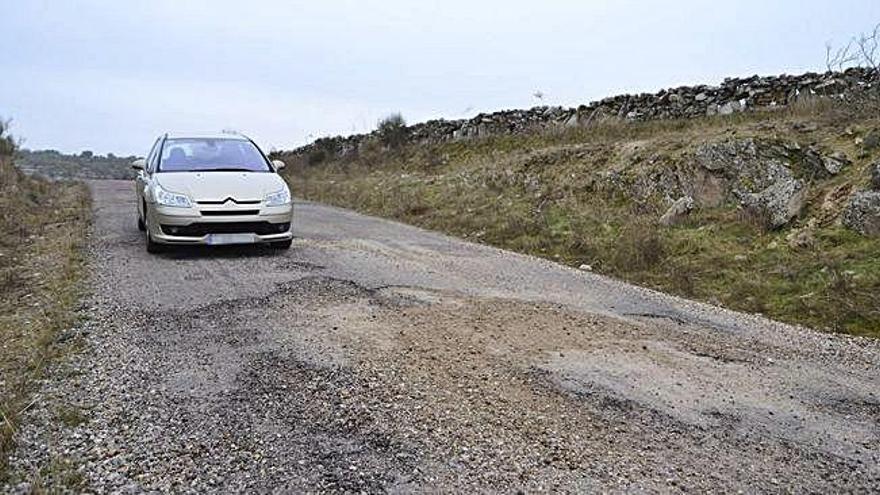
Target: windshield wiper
227,169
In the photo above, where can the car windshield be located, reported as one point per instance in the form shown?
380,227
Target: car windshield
204,154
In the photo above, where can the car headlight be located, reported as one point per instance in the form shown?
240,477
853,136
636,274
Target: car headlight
168,198
278,198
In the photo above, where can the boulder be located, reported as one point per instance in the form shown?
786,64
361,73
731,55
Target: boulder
726,156
730,107
735,168
871,140
753,164
862,214
778,203
835,162
678,211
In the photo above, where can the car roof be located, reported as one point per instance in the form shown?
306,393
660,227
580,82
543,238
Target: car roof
206,135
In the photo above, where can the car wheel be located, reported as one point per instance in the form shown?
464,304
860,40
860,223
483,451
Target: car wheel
282,244
154,247
141,225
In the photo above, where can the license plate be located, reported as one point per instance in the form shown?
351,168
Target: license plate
218,239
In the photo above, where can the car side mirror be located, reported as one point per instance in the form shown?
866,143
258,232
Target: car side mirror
139,164
278,164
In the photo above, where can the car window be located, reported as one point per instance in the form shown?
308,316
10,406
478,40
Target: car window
151,157
204,154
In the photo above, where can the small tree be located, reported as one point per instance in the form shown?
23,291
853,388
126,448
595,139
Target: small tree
392,131
7,143
859,51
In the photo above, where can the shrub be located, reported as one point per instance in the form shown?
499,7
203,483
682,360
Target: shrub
316,157
7,143
638,247
392,131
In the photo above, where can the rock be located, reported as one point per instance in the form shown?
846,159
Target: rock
779,203
585,267
736,168
835,162
814,160
871,141
730,107
726,155
678,211
572,121
862,214
804,126
875,176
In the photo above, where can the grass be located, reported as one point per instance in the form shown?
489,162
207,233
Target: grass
42,232
566,195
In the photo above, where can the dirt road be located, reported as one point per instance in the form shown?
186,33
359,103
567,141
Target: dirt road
376,356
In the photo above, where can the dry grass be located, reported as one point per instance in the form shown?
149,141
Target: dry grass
549,194
42,231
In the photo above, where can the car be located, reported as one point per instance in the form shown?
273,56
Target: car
211,189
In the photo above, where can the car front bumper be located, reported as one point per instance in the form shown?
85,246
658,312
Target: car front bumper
220,225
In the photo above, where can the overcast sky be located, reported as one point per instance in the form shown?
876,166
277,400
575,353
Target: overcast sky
112,75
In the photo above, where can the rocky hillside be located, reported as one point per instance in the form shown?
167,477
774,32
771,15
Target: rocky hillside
774,211
733,95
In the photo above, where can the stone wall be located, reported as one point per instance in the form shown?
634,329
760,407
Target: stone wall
732,95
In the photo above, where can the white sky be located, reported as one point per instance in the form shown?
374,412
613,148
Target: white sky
112,75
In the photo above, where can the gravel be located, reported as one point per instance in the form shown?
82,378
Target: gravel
378,357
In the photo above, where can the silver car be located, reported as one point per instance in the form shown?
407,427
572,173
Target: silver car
212,190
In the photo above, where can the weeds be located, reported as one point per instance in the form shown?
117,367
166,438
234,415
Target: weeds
70,415
392,131
42,230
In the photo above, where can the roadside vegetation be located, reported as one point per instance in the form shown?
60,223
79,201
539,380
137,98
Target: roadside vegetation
42,232
86,165
594,196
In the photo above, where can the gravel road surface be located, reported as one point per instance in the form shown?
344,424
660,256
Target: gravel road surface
374,356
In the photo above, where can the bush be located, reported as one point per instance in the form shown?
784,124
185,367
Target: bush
7,143
638,247
392,131
316,157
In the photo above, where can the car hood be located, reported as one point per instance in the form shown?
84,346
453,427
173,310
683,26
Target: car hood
220,186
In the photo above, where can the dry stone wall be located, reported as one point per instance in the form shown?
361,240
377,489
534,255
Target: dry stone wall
732,95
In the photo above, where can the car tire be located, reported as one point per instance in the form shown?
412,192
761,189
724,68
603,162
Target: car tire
282,244
154,247
141,225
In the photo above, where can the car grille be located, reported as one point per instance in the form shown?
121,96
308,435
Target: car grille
238,202
220,213
200,229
